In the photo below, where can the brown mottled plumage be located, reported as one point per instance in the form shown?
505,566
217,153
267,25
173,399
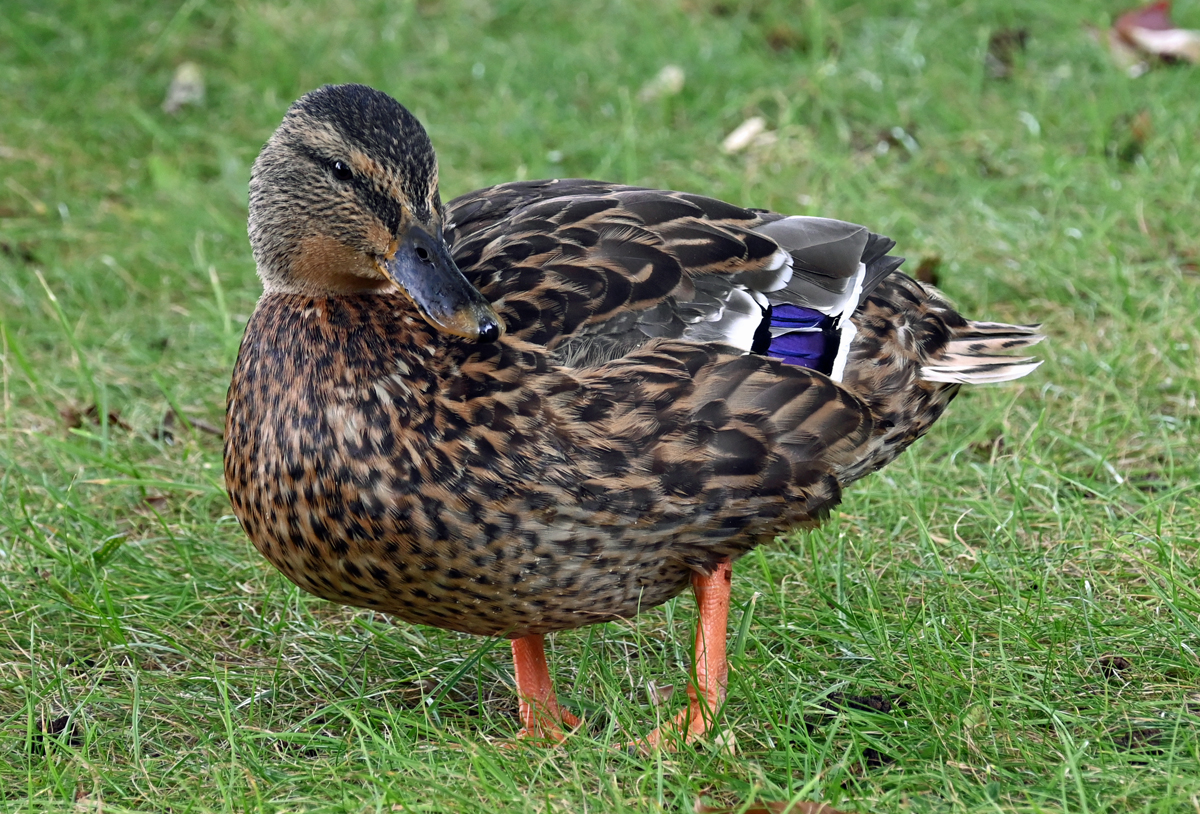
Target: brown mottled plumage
625,438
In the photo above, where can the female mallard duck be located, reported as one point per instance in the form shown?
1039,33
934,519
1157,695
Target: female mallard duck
556,403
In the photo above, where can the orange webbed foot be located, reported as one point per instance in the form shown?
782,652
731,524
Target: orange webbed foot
710,670
541,714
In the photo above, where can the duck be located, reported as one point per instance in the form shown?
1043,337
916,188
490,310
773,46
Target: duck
556,403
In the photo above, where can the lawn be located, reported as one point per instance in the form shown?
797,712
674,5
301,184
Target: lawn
1005,619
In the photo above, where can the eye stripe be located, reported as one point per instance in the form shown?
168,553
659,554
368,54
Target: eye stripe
383,205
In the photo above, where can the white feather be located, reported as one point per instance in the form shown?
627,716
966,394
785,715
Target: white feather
850,304
846,329
744,318
978,374
843,355
780,262
734,324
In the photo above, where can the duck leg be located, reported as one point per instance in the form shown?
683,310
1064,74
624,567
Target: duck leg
711,669
540,712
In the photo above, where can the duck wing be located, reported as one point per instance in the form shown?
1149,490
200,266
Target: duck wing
594,271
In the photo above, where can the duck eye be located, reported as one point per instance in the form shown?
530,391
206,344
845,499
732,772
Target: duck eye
341,171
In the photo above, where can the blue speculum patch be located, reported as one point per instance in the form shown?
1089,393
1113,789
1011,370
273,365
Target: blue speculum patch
811,338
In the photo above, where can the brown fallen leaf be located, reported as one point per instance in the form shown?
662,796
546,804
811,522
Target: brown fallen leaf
1003,45
862,703
1111,666
1142,739
75,418
769,807
61,731
1147,33
659,694
156,502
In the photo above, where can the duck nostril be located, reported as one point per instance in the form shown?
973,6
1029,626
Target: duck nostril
489,331
423,254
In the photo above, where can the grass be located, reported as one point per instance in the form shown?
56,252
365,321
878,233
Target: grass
1006,619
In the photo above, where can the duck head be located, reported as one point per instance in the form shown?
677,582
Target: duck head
344,200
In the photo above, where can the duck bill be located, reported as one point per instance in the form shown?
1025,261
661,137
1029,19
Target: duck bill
426,273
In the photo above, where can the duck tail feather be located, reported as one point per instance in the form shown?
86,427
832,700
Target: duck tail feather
978,353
